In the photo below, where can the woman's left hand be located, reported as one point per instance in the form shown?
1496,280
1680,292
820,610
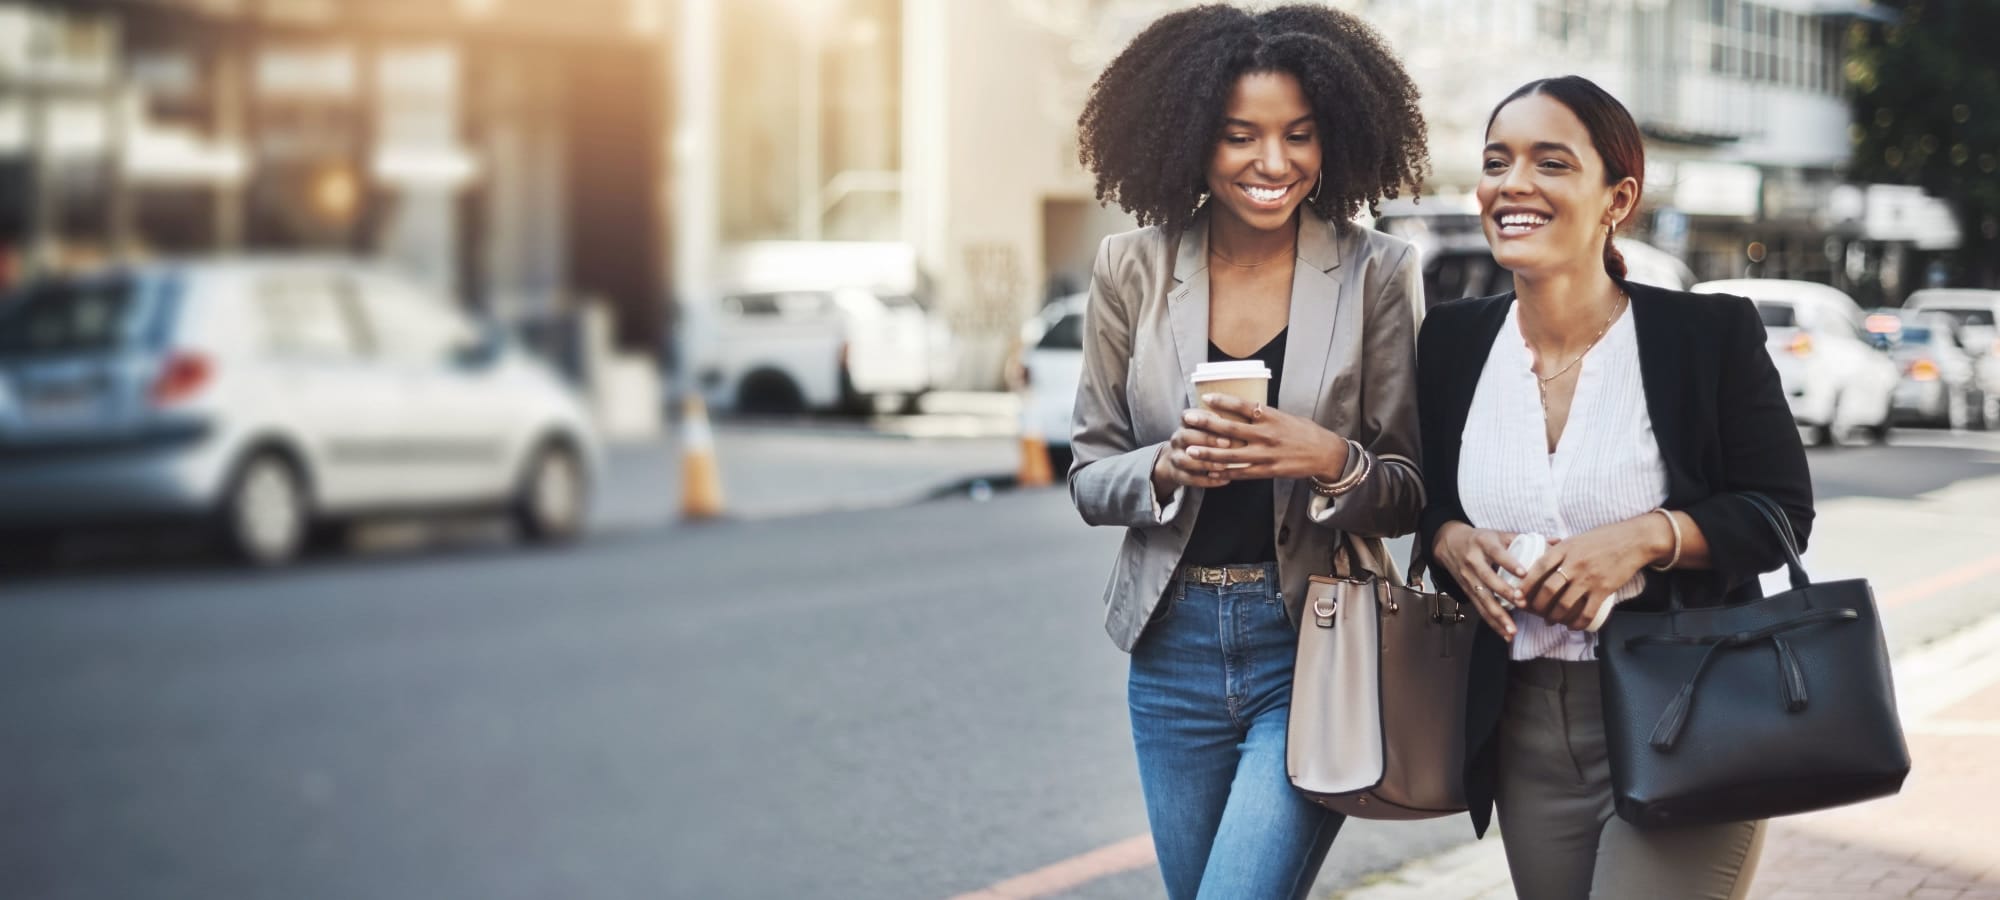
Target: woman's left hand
1275,443
1580,573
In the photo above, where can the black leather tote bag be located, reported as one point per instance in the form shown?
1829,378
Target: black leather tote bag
1763,709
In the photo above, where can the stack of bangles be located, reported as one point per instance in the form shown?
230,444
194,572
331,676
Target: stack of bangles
1336,488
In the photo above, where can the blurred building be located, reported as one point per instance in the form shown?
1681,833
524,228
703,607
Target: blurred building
508,152
1743,110
947,126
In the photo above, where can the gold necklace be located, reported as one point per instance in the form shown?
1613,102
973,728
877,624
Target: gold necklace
1542,384
1218,254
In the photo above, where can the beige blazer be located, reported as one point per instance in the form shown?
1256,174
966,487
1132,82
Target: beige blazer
1350,365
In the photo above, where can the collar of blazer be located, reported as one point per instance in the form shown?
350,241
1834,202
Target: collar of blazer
1313,341
1315,306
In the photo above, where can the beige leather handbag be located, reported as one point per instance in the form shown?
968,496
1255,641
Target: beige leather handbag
1377,727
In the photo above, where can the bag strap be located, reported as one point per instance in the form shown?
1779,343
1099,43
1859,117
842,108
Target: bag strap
1775,517
1780,524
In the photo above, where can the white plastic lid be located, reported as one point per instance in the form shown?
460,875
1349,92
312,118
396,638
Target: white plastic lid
1227,371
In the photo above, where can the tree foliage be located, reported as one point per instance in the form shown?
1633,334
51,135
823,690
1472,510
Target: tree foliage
1925,91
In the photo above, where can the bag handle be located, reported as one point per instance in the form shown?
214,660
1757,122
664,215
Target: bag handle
1780,524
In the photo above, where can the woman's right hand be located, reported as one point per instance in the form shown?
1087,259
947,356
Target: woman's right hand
1174,468
1474,557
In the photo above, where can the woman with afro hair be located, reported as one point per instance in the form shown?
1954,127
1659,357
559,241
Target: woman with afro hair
1244,143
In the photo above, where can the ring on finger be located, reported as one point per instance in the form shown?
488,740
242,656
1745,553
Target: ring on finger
1565,575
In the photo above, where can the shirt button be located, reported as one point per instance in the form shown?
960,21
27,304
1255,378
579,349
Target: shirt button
1284,533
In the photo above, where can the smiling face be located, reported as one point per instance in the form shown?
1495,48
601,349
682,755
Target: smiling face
1269,155
1543,196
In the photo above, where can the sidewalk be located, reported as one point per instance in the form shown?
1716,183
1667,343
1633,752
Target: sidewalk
1934,841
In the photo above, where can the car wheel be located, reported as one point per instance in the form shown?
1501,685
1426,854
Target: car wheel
264,514
552,501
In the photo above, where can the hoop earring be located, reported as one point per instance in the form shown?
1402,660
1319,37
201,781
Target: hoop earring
1314,196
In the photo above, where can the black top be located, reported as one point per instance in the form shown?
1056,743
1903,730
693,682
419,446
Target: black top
1721,420
1236,521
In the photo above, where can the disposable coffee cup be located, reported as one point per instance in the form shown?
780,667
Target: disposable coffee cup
1248,380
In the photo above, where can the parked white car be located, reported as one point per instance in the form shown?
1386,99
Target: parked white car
271,399
1973,310
1940,379
1837,381
1052,366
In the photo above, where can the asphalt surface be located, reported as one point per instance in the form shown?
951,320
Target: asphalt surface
886,703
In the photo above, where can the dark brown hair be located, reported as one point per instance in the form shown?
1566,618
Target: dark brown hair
1612,131
1155,116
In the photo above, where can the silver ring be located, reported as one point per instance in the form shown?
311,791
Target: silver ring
1257,413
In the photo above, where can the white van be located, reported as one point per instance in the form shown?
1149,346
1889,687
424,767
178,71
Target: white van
816,326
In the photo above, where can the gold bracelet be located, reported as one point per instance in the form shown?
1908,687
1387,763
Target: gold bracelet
1676,525
1336,488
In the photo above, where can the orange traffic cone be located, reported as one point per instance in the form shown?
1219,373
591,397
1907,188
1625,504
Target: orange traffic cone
1034,471
701,479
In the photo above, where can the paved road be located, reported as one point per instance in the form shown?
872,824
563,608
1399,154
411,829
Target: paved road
907,702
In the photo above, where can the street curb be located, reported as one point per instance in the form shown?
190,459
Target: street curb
967,486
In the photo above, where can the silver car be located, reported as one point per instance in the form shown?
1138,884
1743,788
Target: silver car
1939,385
274,400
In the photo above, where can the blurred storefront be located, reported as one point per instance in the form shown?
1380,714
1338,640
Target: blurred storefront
508,152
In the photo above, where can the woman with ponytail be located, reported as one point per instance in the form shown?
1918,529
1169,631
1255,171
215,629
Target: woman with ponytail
1605,424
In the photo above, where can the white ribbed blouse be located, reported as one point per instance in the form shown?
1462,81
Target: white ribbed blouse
1606,467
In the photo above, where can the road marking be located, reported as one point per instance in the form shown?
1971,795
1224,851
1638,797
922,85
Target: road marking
1131,853
1941,582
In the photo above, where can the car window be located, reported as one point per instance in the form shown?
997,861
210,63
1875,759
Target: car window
1778,315
409,325
1065,334
1967,316
303,316
70,316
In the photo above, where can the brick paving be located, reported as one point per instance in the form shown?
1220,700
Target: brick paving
1934,841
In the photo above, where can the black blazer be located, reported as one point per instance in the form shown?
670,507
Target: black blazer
1722,423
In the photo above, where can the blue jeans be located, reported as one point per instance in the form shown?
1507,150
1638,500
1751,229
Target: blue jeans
1210,689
